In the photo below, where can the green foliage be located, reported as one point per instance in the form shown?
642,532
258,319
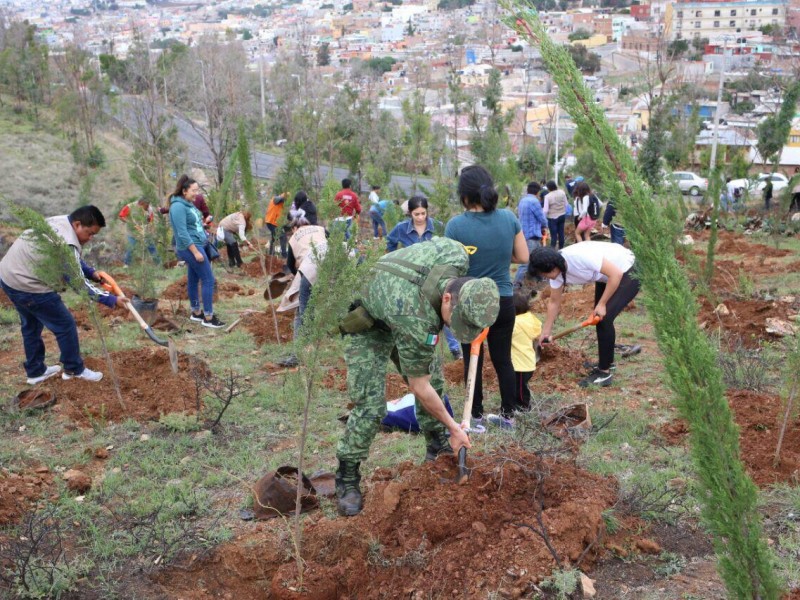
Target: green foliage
180,422
454,4
380,65
725,492
376,176
677,48
442,199
532,163
586,61
562,582
324,54
580,34
327,208
24,67
773,132
293,175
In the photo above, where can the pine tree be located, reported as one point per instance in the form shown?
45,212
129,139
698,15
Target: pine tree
726,494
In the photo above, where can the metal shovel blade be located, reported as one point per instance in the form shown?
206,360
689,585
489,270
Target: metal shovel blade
464,471
173,356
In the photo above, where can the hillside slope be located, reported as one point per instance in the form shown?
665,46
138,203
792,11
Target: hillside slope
39,171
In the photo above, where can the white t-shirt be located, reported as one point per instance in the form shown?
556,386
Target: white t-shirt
585,259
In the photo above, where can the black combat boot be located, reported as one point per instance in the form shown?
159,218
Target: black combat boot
438,444
348,492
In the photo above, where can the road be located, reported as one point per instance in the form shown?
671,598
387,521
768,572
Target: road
264,165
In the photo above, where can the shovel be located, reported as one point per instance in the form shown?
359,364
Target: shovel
593,320
474,351
111,285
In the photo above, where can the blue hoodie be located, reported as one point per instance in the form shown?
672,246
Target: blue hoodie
187,223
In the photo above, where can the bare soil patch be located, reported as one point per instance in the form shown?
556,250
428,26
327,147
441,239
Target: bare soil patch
148,385
272,264
747,318
421,533
729,242
262,326
20,491
759,419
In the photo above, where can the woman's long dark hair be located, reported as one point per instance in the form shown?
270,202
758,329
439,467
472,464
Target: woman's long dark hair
545,259
476,188
183,184
416,202
581,189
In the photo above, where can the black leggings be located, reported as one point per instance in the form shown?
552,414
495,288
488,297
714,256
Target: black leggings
499,340
606,334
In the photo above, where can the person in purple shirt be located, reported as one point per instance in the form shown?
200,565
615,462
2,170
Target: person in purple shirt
533,221
419,228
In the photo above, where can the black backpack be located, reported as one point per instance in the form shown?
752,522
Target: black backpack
593,209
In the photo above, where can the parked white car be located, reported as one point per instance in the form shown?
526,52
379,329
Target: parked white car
689,183
757,184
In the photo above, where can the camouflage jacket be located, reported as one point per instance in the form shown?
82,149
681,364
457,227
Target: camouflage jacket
400,304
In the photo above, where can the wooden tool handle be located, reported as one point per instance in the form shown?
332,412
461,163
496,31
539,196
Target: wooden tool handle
109,284
593,320
474,351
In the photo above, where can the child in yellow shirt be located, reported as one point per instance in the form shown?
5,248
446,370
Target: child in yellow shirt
527,328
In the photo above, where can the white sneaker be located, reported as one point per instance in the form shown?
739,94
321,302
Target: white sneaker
48,373
86,374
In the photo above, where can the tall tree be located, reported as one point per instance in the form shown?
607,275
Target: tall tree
79,101
24,66
773,132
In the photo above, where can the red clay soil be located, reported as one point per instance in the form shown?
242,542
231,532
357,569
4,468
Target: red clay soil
421,535
759,418
454,373
262,326
253,268
558,364
19,492
747,318
728,274
729,242
148,385
224,289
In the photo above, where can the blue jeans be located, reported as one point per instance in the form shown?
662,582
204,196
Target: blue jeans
199,272
617,234
304,297
343,222
377,224
37,311
452,343
151,248
556,227
523,269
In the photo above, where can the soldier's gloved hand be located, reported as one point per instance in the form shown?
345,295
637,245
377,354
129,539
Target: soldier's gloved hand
459,438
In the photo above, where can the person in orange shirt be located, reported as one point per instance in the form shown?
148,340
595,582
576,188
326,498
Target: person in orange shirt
271,218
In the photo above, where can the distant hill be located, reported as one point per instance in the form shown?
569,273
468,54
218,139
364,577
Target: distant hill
39,171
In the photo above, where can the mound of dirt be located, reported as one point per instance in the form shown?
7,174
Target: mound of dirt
420,535
272,264
746,319
759,418
557,364
454,373
223,289
729,242
148,385
262,326
19,491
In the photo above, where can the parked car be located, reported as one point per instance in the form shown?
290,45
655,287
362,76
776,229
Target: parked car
756,184
689,183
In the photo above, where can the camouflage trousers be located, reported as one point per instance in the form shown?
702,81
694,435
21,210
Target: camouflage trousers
367,355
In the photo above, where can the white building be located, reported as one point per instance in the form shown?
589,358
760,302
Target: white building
713,20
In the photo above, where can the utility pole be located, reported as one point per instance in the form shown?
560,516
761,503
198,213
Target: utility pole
263,103
714,139
555,166
205,89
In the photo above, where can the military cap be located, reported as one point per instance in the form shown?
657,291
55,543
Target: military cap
477,307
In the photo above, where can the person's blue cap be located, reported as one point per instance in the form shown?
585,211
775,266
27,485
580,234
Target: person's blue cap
579,178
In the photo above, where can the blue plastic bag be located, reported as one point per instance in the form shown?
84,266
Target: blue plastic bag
401,414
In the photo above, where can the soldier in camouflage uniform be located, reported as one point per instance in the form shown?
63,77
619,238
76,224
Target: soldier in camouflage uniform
414,293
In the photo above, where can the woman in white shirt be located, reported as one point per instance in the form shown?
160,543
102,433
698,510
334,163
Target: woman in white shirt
609,267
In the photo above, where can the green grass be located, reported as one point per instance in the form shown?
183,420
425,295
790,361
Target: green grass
39,171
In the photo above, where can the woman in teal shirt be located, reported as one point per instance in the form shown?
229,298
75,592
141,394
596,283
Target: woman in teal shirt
190,247
494,240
